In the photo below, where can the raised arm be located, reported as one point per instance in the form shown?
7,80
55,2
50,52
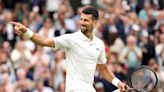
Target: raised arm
21,30
43,41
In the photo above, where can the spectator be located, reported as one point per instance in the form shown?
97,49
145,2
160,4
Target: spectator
131,55
160,75
63,23
6,66
160,52
51,8
47,31
23,84
6,83
143,12
9,35
117,46
59,68
40,64
7,47
20,56
61,87
110,32
23,11
40,87
147,47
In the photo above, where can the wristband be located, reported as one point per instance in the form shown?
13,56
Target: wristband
28,34
115,82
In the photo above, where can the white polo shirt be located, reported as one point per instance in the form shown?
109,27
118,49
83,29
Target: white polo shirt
82,56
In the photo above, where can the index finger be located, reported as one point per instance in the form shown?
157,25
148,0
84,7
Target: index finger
14,23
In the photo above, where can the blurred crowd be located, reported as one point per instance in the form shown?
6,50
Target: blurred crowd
132,31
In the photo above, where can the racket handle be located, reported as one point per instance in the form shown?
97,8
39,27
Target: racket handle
133,89
117,90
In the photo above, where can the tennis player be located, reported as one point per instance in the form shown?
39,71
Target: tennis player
84,51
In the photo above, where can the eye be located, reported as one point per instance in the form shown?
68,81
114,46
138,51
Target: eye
82,19
85,20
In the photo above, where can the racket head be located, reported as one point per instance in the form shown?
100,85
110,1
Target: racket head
143,79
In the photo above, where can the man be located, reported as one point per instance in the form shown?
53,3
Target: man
84,51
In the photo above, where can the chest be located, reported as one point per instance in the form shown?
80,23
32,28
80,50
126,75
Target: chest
87,50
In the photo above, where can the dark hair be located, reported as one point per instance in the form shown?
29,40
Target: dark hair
91,10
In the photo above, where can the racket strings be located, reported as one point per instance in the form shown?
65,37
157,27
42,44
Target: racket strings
143,79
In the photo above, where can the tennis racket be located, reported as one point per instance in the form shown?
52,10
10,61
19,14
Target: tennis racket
143,79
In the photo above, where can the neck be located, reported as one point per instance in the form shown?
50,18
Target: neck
88,34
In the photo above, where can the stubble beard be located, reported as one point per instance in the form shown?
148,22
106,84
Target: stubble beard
83,29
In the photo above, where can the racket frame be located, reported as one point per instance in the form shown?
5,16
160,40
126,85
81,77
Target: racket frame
139,68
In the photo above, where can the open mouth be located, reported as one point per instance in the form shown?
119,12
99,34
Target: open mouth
83,26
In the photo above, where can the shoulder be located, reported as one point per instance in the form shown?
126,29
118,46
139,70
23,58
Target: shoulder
99,41
71,34
67,36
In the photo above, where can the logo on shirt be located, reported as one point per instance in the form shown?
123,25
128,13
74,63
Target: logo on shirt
97,48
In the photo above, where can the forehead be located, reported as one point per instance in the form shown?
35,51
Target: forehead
86,16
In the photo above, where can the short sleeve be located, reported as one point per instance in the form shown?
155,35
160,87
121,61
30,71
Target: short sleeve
102,58
62,41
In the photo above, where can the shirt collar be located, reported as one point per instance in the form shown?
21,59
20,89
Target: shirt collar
84,38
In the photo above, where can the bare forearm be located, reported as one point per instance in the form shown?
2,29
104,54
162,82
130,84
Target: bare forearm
43,41
20,29
107,74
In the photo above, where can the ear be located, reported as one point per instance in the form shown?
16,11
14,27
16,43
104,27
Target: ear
95,22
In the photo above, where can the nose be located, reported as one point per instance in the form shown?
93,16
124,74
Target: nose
82,22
